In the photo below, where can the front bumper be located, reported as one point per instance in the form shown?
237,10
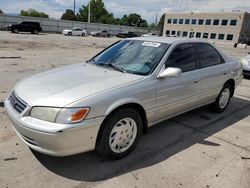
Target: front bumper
57,141
64,32
246,69
246,72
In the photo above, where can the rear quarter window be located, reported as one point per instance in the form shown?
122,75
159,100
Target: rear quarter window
208,55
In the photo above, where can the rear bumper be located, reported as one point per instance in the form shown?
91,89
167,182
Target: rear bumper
81,138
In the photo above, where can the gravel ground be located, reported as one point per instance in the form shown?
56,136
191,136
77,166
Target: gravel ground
196,149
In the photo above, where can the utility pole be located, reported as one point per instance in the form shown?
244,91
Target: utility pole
156,20
74,7
89,12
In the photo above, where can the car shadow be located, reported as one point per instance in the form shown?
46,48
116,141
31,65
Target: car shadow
161,142
28,33
247,77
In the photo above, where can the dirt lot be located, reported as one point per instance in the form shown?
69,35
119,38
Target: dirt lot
196,149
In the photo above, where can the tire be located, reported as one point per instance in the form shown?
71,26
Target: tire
108,35
15,31
98,35
69,33
223,99
34,31
83,34
119,134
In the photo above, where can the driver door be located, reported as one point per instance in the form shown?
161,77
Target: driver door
175,95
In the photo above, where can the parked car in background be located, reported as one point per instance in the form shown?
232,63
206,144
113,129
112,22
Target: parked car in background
75,31
172,36
107,102
26,26
149,35
127,34
103,33
246,65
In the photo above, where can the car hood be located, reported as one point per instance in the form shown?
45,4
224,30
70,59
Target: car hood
63,86
13,25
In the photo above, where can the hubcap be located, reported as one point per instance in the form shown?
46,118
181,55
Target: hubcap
122,135
224,98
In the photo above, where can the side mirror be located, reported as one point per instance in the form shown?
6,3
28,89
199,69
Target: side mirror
170,73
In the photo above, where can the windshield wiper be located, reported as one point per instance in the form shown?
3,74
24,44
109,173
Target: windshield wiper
91,60
113,66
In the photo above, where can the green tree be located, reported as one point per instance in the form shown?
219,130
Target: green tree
152,26
161,24
1,12
68,15
33,13
133,20
99,13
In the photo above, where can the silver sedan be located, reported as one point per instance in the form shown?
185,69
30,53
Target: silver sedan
107,102
246,65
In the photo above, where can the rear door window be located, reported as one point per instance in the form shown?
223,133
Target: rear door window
208,56
183,57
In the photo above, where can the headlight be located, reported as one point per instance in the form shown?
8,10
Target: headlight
72,115
59,115
44,113
245,62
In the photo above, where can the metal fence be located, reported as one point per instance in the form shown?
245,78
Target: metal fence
54,25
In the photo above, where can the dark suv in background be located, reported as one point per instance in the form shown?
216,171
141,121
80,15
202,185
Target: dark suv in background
26,26
126,34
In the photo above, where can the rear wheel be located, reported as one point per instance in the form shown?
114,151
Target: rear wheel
34,31
223,99
120,134
108,35
83,34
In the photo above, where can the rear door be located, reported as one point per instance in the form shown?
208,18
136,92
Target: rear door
74,31
213,72
23,26
78,31
103,33
178,94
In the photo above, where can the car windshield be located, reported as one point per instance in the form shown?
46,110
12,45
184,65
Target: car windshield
132,56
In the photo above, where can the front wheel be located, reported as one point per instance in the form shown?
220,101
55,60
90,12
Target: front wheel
119,134
15,31
69,33
223,99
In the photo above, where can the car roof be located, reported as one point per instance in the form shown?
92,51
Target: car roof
30,22
169,40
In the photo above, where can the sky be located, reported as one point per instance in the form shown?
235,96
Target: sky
146,8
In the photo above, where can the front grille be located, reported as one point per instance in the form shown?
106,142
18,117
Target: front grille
18,104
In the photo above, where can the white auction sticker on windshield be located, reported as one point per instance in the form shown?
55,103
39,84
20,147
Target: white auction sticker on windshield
151,44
